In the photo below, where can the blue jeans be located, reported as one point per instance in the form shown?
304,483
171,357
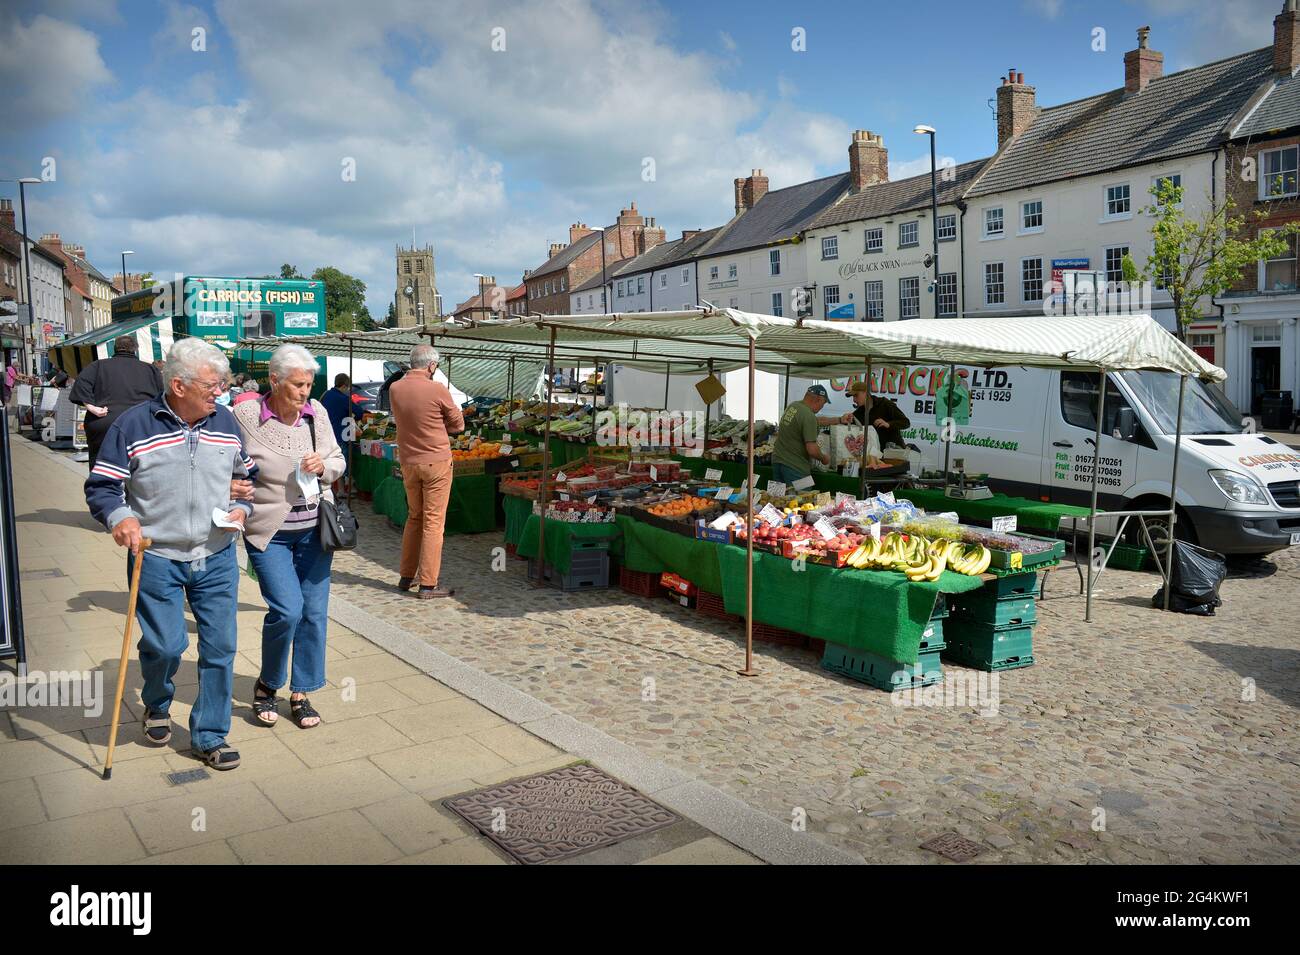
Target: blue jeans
212,588
785,474
294,574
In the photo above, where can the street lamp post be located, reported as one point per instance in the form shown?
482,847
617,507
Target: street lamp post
27,260
125,287
934,209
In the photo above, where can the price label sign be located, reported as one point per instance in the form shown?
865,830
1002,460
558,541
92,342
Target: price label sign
803,483
592,499
713,474
725,521
514,464
1004,525
825,528
654,473
886,497
874,528
507,449
796,519
841,497
855,469
770,514
561,476
776,489
723,493
563,496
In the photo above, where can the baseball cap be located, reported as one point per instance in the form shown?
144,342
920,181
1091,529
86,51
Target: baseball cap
857,386
819,391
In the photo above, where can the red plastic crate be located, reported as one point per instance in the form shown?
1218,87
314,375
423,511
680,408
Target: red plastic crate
636,582
763,633
712,605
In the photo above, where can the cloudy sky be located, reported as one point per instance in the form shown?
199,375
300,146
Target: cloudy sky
216,137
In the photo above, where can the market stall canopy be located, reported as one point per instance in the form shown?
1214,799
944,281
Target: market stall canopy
153,338
686,340
478,371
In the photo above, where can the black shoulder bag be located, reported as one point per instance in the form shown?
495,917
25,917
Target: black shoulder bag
338,525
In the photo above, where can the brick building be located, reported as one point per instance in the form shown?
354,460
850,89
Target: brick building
570,265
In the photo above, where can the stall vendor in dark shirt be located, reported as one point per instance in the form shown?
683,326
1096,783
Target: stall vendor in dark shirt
885,415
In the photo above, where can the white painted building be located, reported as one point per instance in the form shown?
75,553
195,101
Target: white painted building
48,302
867,253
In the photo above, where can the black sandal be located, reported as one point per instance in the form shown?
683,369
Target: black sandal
263,705
300,710
219,757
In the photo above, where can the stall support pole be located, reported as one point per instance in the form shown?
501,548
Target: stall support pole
546,466
708,417
1173,493
668,376
510,387
1092,507
787,390
947,429
862,466
353,443
749,531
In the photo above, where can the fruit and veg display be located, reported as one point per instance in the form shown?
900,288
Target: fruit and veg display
1009,542
681,507
481,451
920,558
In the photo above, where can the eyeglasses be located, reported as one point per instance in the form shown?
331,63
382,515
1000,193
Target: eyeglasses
209,387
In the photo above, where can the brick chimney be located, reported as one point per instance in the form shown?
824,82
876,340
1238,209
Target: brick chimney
1142,65
1286,39
7,213
77,251
556,249
868,160
1016,108
740,196
578,230
52,240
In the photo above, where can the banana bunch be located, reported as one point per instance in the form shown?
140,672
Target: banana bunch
919,558
969,559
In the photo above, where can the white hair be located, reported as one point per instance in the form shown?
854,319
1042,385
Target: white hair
288,358
422,356
188,356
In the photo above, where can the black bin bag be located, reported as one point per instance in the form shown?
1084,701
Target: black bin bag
1195,579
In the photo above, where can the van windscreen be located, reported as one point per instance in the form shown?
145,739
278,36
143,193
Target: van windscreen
1205,409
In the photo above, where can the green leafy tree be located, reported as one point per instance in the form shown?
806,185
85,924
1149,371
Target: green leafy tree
288,271
1198,257
345,300
390,320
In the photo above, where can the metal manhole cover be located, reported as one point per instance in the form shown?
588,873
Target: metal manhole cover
954,847
188,776
45,574
559,814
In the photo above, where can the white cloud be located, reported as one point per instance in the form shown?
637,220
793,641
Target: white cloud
1048,9
918,166
728,43
46,68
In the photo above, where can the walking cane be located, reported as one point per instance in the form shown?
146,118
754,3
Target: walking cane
126,649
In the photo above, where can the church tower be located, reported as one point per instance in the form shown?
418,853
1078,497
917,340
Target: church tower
417,300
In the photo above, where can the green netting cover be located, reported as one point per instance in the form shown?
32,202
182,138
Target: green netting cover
652,550
471,509
560,536
1030,514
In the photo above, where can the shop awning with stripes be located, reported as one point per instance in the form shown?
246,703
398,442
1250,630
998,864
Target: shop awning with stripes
153,337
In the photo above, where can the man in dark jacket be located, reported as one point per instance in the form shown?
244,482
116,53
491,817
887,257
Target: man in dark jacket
112,385
882,413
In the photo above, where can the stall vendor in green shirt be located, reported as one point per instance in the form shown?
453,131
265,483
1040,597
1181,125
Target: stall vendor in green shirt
796,437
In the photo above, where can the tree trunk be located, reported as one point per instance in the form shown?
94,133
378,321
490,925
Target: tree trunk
1180,329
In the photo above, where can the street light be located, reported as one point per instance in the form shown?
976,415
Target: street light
27,269
923,130
125,289
482,301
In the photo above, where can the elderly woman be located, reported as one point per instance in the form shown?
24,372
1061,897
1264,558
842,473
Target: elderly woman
290,439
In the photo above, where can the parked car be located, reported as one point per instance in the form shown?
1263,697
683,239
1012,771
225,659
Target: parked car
365,396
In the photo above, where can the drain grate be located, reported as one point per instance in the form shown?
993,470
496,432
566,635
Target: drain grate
44,574
560,814
188,776
952,846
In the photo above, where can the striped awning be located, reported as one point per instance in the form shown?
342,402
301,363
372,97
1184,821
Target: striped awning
153,337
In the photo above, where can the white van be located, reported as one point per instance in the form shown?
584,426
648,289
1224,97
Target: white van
1032,432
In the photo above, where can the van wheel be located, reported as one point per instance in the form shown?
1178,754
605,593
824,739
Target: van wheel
1158,528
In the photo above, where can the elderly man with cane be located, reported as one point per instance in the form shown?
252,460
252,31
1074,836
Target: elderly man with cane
164,475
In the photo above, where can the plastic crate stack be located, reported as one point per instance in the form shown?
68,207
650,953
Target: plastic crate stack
886,674
588,567
993,628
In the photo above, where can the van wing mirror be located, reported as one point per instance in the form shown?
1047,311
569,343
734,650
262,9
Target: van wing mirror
1126,425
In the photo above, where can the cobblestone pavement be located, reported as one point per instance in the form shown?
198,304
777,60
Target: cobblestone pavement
1142,723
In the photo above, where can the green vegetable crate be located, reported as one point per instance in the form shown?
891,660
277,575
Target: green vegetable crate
879,672
991,648
1006,560
1012,585
980,607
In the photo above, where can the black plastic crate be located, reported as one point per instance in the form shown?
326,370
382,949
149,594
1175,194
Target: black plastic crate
588,570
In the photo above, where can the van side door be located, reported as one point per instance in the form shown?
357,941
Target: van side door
1071,434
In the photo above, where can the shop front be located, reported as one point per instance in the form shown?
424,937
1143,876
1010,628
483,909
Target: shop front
1262,359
